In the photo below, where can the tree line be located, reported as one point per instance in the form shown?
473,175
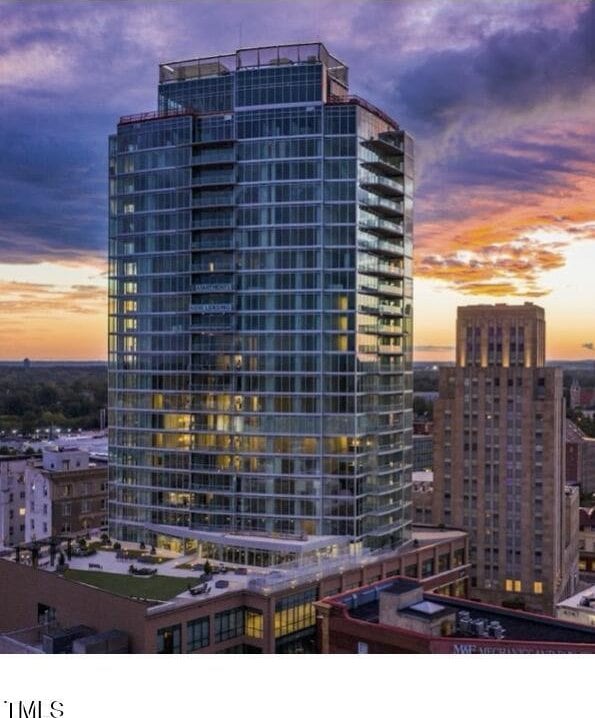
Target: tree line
40,397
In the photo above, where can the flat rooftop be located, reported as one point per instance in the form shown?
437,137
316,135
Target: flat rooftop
584,600
363,604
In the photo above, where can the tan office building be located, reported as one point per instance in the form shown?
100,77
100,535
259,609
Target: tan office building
499,458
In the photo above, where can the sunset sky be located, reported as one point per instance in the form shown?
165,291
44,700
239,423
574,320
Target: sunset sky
499,96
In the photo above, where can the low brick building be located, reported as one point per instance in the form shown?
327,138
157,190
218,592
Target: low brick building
261,611
66,494
399,616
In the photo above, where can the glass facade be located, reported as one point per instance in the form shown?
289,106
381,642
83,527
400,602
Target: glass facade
261,306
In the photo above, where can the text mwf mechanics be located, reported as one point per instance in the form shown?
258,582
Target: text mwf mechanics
260,327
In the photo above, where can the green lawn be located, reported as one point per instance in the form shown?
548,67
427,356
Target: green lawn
160,588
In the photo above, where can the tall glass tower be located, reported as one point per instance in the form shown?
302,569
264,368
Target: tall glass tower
260,312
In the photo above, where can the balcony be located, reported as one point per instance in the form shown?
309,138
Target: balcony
383,166
210,241
387,143
223,221
389,329
374,287
211,178
395,310
382,228
214,156
207,142
388,288
211,266
383,207
211,199
383,248
390,349
382,185
381,269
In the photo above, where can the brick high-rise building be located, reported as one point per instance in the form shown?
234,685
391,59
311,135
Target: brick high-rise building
499,457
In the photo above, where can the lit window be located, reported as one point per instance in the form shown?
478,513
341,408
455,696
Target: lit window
22,512
537,587
517,586
508,585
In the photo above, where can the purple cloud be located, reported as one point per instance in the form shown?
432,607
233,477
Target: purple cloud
68,70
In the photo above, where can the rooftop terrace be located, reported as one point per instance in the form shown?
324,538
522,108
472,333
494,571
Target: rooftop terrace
249,58
109,570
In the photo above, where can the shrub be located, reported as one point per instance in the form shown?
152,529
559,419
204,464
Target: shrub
117,546
142,546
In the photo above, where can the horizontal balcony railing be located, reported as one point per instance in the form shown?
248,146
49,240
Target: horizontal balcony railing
215,243
382,227
381,206
380,268
214,157
218,201
385,288
391,310
220,267
386,144
390,349
383,167
389,329
381,247
213,223
154,115
382,185
214,179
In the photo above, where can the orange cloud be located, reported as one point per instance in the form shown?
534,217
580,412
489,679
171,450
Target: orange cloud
490,240
29,298
45,321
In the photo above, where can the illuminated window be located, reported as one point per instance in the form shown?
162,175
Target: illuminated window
509,585
537,587
169,639
253,623
517,586
295,613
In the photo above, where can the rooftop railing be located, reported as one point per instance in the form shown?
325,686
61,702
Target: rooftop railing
156,115
249,58
356,100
